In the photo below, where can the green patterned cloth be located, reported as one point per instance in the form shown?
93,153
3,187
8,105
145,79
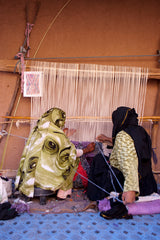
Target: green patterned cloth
124,157
49,158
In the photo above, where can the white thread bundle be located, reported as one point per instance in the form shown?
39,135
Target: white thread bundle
89,93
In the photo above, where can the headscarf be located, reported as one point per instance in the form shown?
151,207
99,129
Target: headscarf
122,117
54,115
125,118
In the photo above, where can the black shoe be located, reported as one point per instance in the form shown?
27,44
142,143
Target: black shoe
109,216
118,210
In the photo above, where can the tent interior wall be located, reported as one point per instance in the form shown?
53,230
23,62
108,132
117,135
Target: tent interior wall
72,29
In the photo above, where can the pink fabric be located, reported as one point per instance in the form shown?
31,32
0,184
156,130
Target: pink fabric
150,207
104,205
136,208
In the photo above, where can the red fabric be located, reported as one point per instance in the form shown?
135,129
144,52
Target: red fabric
83,173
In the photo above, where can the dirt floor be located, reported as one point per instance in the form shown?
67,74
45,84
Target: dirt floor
78,202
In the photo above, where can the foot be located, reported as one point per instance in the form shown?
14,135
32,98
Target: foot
61,195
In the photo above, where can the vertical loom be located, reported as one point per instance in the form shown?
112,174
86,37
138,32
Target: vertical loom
88,94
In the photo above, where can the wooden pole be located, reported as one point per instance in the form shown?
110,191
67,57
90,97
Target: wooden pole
10,66
146,118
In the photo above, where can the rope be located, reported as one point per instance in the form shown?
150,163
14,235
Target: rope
4,133
98,186
92,182
18,136
21,55
109,166
54,19
111,171
27,33
112,182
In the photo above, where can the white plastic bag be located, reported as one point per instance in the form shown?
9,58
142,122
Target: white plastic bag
3,192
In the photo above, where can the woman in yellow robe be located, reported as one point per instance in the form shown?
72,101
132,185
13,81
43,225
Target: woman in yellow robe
49,160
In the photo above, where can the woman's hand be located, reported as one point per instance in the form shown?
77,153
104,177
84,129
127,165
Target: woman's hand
90,148
102,138
128,197
69,132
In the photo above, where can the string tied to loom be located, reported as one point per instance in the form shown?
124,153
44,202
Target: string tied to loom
111,170
29,27
3,133
23,52
115,198
102,189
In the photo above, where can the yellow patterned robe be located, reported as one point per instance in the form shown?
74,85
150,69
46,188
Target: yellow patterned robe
49,158
124,157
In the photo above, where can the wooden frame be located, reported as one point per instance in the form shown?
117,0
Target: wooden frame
10,66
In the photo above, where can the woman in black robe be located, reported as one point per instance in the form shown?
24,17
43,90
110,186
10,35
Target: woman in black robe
125,121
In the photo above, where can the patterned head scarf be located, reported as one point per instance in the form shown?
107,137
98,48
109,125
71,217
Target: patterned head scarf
54,115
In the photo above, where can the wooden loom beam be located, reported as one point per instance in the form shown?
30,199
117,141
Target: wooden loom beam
146,118
9,66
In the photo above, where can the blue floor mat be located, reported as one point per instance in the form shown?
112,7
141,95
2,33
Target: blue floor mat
79,226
